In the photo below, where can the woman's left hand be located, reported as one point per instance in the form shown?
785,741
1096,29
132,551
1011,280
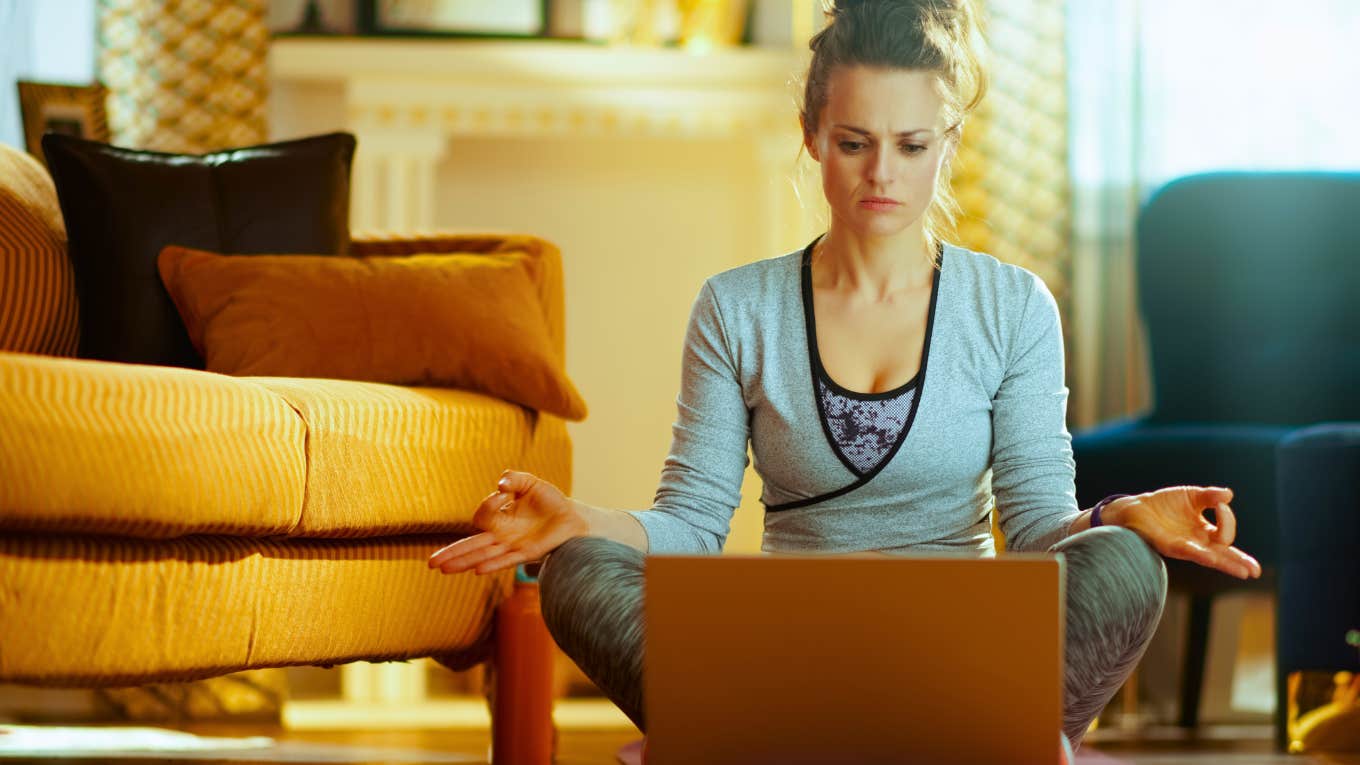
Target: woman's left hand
1172,521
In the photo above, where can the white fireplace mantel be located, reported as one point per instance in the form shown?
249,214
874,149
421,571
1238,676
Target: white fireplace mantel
406,98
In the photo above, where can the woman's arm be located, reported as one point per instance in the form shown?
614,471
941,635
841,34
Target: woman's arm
1112,515
1033,472
700,486
618,525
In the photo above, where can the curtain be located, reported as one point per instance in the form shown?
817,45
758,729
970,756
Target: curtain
188,76
1159,89
1011,175
1109,370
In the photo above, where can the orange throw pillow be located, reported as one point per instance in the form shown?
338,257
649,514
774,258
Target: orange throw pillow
453,320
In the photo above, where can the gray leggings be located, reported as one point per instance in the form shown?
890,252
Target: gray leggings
591,589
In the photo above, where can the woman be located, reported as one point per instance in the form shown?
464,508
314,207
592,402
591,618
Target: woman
892,387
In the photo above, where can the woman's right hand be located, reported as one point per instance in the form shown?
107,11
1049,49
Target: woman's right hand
524,520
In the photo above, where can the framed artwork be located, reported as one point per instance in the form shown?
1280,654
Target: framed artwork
310,17
453,18
76,110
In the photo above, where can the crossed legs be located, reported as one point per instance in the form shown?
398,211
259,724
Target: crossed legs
1116,589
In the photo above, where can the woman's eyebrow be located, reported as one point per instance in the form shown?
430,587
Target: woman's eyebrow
900,134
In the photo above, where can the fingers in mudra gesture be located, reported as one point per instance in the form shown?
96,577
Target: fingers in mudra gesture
522,521
1172,521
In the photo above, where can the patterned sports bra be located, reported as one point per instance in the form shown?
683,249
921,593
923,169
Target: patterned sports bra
866,425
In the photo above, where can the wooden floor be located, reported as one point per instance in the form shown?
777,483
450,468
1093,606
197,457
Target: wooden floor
1249,747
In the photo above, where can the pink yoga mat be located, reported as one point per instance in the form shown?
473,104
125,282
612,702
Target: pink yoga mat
631,754
1088,756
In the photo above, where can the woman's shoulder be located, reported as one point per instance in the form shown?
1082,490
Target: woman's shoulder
765,277
987,267
989,274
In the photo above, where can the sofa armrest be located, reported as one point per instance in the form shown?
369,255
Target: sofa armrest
546,257
38,306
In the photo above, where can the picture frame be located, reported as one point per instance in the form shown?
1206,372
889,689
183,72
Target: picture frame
77,110
511,19
311,18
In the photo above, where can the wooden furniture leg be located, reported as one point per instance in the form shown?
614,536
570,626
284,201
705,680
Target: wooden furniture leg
1196,648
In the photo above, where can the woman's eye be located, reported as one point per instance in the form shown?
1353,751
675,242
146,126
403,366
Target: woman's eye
854,146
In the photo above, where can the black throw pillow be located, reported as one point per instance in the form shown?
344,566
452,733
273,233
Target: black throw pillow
121,206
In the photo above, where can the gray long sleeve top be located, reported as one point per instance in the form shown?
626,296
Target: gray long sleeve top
989,424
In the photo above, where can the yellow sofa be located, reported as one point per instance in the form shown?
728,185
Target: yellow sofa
161,524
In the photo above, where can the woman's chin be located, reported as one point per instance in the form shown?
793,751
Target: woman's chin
879,226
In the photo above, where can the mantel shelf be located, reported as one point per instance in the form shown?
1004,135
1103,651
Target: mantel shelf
532,61
533,88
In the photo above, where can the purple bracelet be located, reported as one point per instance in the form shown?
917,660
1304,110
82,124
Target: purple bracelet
1095,511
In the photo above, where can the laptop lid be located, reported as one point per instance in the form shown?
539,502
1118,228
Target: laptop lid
853,658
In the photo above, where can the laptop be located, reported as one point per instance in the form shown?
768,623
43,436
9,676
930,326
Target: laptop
853,659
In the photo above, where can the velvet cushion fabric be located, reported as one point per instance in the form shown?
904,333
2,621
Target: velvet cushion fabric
452,320
1247,282
122,206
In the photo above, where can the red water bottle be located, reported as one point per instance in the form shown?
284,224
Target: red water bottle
522,731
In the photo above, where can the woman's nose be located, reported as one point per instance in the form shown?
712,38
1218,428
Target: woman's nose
881,168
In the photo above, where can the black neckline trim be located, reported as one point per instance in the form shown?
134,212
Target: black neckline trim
816,369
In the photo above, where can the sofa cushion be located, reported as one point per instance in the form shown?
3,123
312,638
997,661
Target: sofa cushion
458,320
385,459
37,288
121,206
106,448
138,611
144,451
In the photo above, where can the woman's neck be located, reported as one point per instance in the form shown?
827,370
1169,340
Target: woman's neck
873,269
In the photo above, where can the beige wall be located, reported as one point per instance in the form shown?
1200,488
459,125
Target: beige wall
641,224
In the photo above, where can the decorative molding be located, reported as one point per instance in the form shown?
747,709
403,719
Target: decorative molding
405,99
548,88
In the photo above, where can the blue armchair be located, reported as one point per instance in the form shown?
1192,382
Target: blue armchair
1250,289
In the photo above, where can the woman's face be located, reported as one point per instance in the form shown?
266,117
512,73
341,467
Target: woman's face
881,142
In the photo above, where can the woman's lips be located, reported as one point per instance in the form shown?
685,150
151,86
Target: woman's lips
878,204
